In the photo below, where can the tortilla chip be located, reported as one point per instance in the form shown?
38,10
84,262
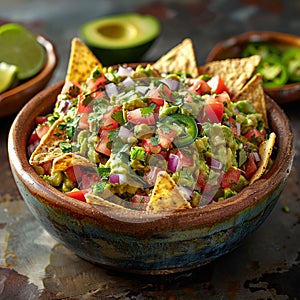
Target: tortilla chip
265,152
166,196
235,72
49,149
94,199
66,160
253,92
181,58
81,62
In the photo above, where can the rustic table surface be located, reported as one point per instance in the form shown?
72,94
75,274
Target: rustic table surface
266,266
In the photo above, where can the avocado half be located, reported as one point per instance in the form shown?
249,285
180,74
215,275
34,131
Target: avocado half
120,38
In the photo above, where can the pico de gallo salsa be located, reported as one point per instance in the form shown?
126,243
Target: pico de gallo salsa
132,123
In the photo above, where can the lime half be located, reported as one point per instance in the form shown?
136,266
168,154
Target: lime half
20,47
8,76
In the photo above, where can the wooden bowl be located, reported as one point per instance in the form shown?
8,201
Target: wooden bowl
233,46
137,241
14,99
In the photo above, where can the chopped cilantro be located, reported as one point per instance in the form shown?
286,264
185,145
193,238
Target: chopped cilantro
65,147
146,111
99,187
154,141
103,172
118,116
138,153
72,125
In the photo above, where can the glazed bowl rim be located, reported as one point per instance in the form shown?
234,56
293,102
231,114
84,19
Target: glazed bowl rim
127,218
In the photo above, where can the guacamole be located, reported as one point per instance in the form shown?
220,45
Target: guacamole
131,124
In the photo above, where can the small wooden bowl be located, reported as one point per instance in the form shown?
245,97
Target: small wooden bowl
137,241
14,99
233,46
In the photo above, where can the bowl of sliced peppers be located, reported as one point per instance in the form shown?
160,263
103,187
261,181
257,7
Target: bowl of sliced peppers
280,64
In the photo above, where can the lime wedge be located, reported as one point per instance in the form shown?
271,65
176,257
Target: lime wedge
20,47
8,76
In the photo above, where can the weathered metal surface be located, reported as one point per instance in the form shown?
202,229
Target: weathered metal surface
266,266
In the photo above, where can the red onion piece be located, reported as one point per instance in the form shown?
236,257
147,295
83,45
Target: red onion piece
256,156
172,84
117,178
114,179
128,81
125,71
142,89
187,192
238,128
173,162
111,89
125,132
214,163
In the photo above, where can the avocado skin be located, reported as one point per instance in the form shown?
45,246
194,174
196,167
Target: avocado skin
110,57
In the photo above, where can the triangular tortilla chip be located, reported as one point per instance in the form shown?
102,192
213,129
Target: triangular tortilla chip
66,160
253,92
265,152
94,199
166,195
48,149
181,58
235,72
81,62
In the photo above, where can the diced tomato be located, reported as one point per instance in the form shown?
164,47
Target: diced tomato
96,84
47,167
74,173
255,135
107,122
184,160
42,130
201,180
166,138
199,86
87,179
137,117
33,138
150,147
233,126
78,195
139,201
71,88
83,121
217,85
250,166
231,177
81,108
40,119
222,97
213,111
157,100
102,145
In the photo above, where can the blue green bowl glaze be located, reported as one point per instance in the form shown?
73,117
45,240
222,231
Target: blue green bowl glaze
139,242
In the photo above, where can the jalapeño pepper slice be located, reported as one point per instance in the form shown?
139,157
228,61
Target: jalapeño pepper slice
188,126
260,48
273,72
291,59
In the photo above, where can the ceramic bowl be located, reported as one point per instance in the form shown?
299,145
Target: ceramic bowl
13,100
140,242
233,46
